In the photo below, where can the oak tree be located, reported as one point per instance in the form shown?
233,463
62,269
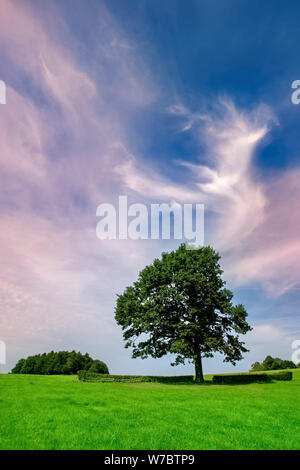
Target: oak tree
180,305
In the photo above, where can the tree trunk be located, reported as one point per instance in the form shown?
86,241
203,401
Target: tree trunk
198,369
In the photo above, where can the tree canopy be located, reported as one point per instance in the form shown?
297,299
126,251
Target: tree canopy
62,362
274,363
179,304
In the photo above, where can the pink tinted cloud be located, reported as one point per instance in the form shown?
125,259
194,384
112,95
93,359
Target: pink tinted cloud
272,253
56,164
55,273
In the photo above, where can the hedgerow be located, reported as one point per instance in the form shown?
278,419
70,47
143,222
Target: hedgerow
250,378
87,376
240,379
284,375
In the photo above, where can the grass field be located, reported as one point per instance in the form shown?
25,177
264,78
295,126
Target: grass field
59,412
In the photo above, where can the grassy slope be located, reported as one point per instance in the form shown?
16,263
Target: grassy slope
58,412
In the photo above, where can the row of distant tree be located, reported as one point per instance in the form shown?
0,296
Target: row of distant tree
62,362
274,363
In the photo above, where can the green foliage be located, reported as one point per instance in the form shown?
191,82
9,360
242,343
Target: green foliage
257,366
288,365
240,379
18,367
56,363
98,367
250,378
273,363
180,305
87,376
284,375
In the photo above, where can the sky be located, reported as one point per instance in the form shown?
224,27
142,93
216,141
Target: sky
161,102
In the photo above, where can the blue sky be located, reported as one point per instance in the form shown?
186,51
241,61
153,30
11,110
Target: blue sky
200,51
161,101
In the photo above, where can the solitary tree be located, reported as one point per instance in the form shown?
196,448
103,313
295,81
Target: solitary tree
180,305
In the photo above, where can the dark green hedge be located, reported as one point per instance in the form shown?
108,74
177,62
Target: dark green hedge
250,378
240,379
284,375
86,376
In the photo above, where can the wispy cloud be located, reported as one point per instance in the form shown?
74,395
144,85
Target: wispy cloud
65,147
56,149
253,221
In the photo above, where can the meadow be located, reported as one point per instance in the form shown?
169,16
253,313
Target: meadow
59,412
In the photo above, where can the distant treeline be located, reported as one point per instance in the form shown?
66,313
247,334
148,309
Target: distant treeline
274,363
62,362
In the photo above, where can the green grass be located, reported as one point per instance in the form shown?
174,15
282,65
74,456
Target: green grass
59,412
